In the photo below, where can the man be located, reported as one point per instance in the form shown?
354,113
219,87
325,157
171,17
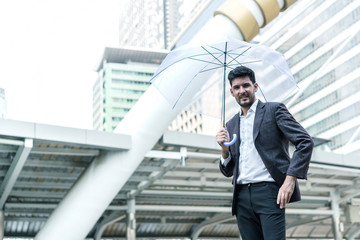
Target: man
264,175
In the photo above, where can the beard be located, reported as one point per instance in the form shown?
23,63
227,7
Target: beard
248,103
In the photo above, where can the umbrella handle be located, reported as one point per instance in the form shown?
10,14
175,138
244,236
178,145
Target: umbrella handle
232,141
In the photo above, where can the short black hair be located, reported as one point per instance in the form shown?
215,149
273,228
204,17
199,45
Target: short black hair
241,71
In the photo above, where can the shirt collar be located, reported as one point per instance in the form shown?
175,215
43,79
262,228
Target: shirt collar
252,108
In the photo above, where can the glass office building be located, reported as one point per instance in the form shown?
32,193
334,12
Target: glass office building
321,41
149,23
157,23
123,76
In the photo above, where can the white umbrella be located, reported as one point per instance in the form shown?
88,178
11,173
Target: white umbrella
202,65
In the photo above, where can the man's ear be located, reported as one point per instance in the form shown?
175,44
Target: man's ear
232,93
256,86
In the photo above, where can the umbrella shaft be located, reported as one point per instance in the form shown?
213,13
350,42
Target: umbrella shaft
223,93
223,101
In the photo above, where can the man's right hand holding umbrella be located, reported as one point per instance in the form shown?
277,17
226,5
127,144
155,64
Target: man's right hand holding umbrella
221,137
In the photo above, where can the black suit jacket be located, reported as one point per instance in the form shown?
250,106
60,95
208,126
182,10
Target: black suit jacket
274,128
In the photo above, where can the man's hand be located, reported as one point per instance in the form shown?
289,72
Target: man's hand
223,136
286,191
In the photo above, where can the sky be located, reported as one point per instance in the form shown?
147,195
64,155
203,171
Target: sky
49,50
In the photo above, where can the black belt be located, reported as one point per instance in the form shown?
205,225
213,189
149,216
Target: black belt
239,186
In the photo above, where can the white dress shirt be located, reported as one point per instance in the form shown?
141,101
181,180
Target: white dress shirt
251,167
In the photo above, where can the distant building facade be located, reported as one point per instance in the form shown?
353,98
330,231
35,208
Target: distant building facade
156,23
141,24
172,20
123,76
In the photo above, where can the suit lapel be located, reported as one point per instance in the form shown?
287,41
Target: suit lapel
260,110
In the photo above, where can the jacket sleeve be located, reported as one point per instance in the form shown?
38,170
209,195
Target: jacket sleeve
227,170
298,136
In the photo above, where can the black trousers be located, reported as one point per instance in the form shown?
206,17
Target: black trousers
258,216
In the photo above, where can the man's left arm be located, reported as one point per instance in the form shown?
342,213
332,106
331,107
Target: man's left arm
300,161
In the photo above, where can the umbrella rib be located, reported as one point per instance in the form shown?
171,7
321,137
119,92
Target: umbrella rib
229,51
200,60
238,63
187,86
210,69
155,75
202,54
232,50
262,93
212,55
217,49
234,59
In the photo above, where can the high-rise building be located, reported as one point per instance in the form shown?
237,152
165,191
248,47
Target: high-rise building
123,76
172,19
141,24
321,41
149,23
156,23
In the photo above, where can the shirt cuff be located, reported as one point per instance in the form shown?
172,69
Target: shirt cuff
223,161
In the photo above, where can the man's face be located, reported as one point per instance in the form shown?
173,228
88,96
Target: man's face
243,90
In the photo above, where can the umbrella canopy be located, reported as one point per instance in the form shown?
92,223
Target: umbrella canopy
205,66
